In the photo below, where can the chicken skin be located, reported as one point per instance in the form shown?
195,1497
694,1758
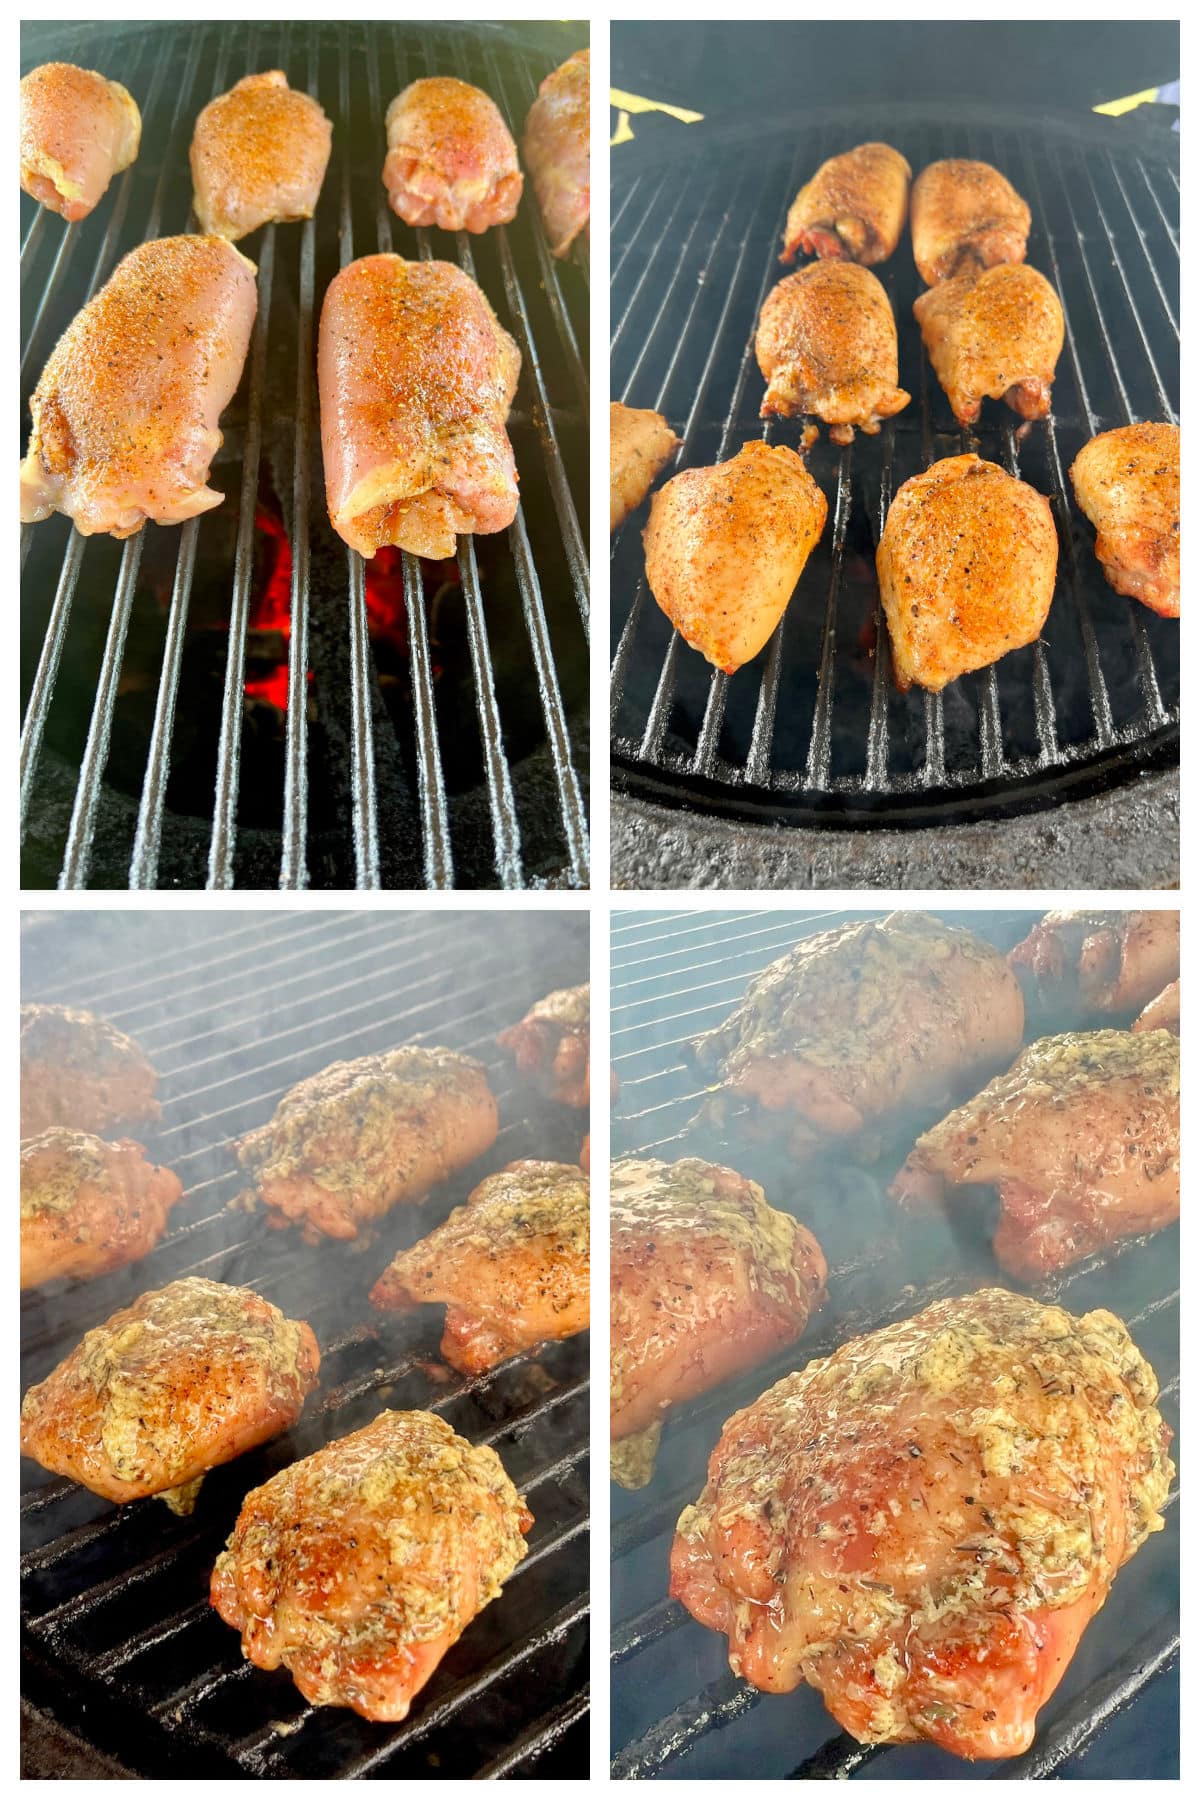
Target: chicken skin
706,1280
1080,1139
416,378
1162,1014
922,1524
993,335
125,414
1076,967
451,159
726,546
345,1146
555,148
258,153
967,563
826,344
552,1045
1127,482
511,1266
358,1567
860,1029
87,1206
640,445
853,207
80,1071
78,130
189,1376
965,217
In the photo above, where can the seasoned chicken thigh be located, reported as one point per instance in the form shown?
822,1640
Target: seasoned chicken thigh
1127,482
416,376
555,148
80,1071
1080,1139
87,1206
258,153
1079,966
967,563
125,414
726,546
706,1280
965,216
189,1376
922,1524
511,1266
860,1028
345,1146
451,159
78,130
640,444
993,335
826,344
853,207
1162,1014
358,1567
552,1045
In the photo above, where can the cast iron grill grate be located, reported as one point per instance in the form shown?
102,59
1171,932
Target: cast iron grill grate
393,724
118,1639
814,731
677,1710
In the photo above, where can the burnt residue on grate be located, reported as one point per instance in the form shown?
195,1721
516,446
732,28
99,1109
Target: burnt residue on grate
813,731
119,1642
242,701
677,1710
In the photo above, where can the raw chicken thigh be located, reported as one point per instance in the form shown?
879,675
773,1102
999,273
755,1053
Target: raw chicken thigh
555,148
258,153
451,158
78,130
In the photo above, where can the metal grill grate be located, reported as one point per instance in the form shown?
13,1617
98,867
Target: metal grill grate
677,1711
345,781
118,1639
813,731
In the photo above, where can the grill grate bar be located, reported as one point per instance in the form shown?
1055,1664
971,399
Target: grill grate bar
631,386
143,868
42,693
535,1739
819,749
506,829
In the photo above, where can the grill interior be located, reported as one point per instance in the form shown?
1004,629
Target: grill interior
813,730
677,1711
118,1640
243,701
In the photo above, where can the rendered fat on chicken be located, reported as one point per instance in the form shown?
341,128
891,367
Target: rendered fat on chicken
81,1072
640,445
967,563
259,153
1080,1139
511,1266
995,334
451,159
826,344
1078,966
726,546
552,1045
416,379
357,1568
965,216
345,1146
555,149
1162,1013
188,1377
1127,482
78,130
922,1524
861,1029
854,207
88,1206
125,414
706,1280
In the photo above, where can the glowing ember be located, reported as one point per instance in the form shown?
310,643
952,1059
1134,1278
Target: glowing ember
271,609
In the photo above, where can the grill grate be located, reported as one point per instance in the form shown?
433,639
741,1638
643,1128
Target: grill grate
677,1711
344,792
118,1638
813,732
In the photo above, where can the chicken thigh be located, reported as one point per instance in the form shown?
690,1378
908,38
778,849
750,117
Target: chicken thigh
1162,1014
555,148
258,153
726,546
993,335
416,377
965,216
78,130
640,444
1127,482
1076,967
125,414
451,159
80,1071
967,563
826,344
853,207
552,1045
87,1206
922,1524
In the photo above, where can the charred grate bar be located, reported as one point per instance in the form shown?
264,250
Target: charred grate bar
813,731
118,1639
445,751
677,1710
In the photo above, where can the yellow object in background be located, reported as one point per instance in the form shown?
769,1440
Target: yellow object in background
628,104
1114,108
